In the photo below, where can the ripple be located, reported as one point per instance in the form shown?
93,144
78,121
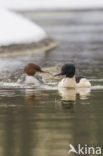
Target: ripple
7,105
96,80
97,87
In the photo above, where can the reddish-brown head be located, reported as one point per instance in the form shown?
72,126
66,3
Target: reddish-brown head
31,69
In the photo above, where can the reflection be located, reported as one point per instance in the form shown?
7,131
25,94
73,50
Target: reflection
67,94
70,94
84,93
67,105
68,98
30,96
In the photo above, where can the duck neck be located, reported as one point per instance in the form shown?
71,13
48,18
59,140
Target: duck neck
71,79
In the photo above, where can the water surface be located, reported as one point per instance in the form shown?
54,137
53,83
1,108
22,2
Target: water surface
45,121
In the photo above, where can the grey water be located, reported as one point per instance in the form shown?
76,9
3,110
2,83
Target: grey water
44,121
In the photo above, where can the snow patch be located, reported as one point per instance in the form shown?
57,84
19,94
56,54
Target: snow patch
15,29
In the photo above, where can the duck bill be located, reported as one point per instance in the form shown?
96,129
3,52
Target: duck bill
43,71
59,74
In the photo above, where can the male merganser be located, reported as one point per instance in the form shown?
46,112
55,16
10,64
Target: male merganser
71,81
31,69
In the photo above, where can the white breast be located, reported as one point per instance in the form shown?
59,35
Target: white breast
32,80
83,83
67,83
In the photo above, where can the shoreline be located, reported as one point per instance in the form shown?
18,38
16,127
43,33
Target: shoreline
20,49
58,10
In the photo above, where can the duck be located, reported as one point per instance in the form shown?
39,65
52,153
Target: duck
31,78
70,80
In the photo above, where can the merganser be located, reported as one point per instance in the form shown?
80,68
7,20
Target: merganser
31,69
70,81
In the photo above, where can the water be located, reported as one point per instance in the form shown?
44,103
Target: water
45,121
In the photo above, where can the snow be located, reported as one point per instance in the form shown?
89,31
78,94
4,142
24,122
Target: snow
15,29
50,4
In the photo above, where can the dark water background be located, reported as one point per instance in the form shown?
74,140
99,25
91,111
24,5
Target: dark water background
39,122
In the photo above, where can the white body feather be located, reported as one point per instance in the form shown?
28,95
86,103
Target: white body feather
67,83
71,83
32,80
84,83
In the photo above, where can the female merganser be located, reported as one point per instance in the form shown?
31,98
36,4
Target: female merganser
31,69
71,81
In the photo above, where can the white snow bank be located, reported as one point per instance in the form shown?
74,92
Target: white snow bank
51,4
15,29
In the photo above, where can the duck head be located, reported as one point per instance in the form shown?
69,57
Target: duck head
31,69
68,70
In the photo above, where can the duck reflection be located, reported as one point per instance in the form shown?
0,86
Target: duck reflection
33,96
70,94
84,93
67,94
30,97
